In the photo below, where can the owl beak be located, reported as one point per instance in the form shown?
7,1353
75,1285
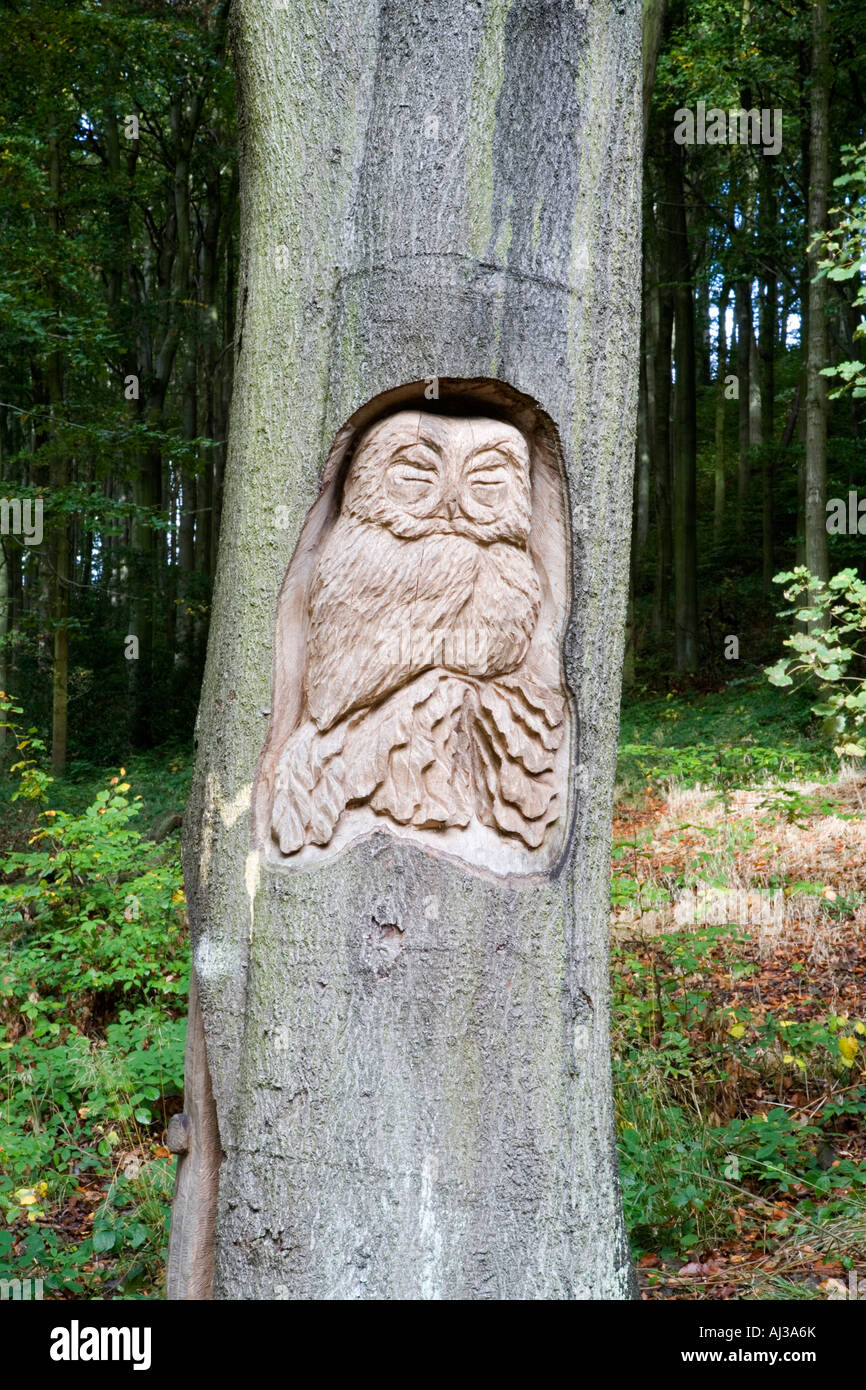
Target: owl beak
451,507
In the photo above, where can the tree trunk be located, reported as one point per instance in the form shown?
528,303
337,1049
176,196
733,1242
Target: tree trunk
767,325
653,27
816,354
59,474
756,435
186,527
685,433
701,299
642,481
744,388
721,371
659,388
410,1054
640,512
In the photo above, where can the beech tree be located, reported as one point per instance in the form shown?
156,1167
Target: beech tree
408,1052
816,554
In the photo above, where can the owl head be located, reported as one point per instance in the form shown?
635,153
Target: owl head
419,474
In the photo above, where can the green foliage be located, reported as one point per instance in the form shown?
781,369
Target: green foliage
711,741
833,614
724,766
116,307
92,997
678,1058
844,246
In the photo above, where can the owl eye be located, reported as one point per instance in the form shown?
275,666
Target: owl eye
488,481
406,470
412,479
488,477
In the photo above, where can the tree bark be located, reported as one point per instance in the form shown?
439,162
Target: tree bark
721,372
816,557
744,388
767,327
659,336
425,198
685,433
59,474
653,27
642,481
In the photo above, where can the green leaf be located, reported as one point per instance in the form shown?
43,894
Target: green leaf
103,1239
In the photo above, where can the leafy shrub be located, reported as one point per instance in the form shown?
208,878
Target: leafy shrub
831,614
92,1000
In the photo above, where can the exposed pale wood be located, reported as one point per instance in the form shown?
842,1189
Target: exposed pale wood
422,696
195,1139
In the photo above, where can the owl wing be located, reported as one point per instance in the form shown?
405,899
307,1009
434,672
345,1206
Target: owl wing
372,596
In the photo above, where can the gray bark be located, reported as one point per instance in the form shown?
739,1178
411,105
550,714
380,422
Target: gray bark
685,430
410,1059
817,352
721,372
744,386
653,27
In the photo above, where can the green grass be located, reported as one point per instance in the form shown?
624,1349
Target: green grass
746,711
747,733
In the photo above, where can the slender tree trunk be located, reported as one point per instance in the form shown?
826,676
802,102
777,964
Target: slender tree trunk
60,530
721,402
816,357
804,66
659,387
642,479
767,329
756,435
701,299
144,577
744,388
409,1056
222,396
653,26
640,521
685,433
187,522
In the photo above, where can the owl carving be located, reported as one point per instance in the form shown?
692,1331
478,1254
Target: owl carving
418,699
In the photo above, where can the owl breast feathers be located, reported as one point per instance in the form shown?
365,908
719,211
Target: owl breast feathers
382,610
419,618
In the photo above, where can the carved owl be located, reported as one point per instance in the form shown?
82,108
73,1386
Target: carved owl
430,540
424,592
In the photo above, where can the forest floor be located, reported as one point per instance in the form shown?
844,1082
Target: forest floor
738,927
738,940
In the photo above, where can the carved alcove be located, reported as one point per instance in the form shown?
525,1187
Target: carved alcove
418,684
